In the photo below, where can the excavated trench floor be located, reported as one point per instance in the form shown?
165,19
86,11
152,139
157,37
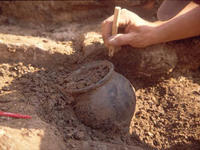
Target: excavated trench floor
34,61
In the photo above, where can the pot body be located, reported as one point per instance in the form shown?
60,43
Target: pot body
110,105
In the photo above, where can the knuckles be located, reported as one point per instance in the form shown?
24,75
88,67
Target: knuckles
124,11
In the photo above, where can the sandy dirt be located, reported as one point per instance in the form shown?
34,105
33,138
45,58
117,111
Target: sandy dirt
35,60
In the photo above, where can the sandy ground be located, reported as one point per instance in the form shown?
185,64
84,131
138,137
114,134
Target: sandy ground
34,60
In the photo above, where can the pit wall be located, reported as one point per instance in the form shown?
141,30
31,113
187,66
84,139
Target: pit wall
60,11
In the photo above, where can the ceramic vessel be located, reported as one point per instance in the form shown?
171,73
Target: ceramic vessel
106,104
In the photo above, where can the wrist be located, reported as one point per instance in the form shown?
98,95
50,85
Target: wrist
156,35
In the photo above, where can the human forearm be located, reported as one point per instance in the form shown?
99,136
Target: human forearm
180,27
141,33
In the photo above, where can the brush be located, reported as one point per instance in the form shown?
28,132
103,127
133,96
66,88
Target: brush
115,25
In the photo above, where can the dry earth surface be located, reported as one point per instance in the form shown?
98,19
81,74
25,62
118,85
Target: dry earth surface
35,60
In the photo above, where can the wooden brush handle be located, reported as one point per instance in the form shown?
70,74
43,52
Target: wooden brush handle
115,27
116,20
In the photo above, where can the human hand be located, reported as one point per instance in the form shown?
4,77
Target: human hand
137,31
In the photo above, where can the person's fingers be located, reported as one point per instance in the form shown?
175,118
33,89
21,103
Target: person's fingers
106,26
124,22
120,39
106,29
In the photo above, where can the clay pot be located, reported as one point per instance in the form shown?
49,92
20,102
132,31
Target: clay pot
106,104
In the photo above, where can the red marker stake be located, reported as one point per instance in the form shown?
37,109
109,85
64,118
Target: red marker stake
14,115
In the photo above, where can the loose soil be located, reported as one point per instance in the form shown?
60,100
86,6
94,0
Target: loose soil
86,77
34,64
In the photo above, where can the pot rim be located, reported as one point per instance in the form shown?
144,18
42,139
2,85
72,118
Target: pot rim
96,85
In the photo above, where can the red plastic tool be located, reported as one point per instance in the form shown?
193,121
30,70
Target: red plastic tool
14,115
